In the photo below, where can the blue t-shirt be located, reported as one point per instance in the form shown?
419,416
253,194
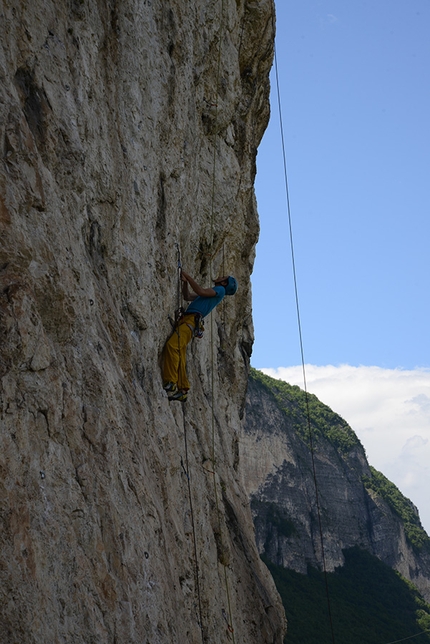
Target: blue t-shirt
205,305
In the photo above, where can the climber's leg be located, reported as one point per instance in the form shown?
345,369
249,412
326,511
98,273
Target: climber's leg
174,354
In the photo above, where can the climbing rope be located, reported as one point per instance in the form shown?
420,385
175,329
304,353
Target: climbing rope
179,313
212,341
223,309
215,137
410,637
186,469
227,618
310,432
299,324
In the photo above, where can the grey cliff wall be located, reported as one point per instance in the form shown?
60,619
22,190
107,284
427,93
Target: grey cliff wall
277,471
112,116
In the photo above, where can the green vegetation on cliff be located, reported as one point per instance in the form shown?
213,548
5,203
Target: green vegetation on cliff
402,506
369,602
327,424
324,422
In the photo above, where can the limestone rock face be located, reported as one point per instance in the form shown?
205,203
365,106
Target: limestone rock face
127,128
277,471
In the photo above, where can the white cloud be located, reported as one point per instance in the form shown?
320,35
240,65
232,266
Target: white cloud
389,409
327,20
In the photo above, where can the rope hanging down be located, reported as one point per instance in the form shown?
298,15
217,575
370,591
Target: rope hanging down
186,470
179,313
410,637
303,357
299,324
229,620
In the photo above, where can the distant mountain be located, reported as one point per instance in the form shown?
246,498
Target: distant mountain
377,554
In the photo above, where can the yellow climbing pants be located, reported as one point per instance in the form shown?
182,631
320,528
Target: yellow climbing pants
175,353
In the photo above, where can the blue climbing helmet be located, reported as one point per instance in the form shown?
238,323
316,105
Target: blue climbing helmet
231,287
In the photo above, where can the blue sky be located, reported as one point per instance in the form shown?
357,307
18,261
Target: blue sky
355,92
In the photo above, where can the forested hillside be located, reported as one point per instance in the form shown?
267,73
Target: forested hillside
363,531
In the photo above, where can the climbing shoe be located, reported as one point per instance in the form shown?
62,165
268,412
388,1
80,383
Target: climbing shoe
178,395
170,387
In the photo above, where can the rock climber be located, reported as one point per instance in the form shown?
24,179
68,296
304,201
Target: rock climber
203,301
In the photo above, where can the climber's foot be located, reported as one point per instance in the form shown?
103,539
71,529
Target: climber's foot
179,395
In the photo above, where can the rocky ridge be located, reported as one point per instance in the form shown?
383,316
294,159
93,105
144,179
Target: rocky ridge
126,128
277,471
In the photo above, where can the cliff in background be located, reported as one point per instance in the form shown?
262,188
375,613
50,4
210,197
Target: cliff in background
124,126
359,507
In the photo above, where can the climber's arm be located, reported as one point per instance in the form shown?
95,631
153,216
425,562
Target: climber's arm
199,290
188,297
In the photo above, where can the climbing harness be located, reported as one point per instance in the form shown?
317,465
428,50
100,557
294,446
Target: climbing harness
198,327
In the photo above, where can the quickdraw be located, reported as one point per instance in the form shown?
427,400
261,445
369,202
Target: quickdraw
179,313
229,626
199,327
